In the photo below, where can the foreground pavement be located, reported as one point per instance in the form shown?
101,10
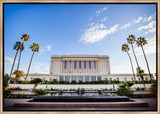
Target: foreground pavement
9,106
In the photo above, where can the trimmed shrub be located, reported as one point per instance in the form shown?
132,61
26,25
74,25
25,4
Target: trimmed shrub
25,82
80,82
73,82
40,91
136,81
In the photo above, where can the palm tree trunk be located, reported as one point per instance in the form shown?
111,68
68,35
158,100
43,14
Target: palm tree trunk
147,64
19,57
29,66
142,81
135,56
19,60
15,81
13,66
35,86
131,65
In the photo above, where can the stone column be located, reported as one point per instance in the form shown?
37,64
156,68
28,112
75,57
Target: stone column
92,66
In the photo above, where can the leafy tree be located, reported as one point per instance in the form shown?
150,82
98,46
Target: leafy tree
141,41
36,81
34,48
131,40
18,74
16,47
125,48
141,74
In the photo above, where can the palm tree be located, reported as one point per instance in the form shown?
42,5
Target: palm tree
16,47
141,41
131,39
125,48
18,74
36,81
140,73
25,38
34,48
21,49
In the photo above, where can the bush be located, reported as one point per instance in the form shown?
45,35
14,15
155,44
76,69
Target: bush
18,96
124,90
153,89
73,82
106,81
19,82
25,82
6,78
80,82
7,92
54,81
12,80
40,91
36,80
136,81
129,83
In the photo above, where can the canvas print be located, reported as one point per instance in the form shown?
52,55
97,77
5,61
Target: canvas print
80,57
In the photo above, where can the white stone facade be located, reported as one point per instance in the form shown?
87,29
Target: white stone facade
81,67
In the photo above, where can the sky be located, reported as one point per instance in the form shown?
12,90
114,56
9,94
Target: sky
79,29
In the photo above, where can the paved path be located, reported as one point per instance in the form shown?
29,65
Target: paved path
9,105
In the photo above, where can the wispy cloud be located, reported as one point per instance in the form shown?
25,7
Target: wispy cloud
49,47
149,48
98,12
9,60
47,68
104,19
151,26
97,32
125,26
39,63
149,18
46,48
138,20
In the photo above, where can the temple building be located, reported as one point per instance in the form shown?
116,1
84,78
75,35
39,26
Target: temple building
81,67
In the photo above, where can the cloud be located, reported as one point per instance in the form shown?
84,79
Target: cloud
149,48
49,47
125,26
47,68
9,60
98,12
145,19
138,20
97,32
36,68
150,26
152,30
39,63
104,19
150,17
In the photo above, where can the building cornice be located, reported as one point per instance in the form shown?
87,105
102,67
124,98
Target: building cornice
79,56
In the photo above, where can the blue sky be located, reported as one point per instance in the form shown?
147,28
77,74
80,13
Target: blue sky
79,29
